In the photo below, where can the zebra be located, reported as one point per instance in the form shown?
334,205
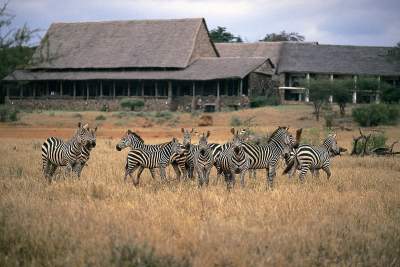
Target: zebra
140,158
203,160
266,156
56,152
234,160
134,141
314,158
85,153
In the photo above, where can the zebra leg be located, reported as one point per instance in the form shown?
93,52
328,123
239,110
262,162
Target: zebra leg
207,176
303,172
271,176
199,177
242,173
163,174
153,172
327,171
51,170
315,173
129,171
136,183
177,171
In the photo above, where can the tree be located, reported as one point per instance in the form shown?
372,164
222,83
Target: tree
221,35
283,36
319,91
394,53
341,92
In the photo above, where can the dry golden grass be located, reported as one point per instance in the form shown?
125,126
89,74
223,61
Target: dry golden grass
352,219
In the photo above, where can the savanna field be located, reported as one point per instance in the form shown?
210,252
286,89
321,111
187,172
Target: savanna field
351,219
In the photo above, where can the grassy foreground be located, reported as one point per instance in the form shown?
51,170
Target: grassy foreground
353,219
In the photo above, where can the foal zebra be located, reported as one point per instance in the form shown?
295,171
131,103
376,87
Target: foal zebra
85,153
56,152
314,158
139,158
234,160
203,160
134,141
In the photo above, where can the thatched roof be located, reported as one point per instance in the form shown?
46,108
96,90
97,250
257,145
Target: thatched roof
336,59
311,57
118,44
201,70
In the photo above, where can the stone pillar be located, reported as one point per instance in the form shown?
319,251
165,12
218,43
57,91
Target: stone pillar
308,78
113,89
194,97
218,106
307,96
377,98
169,92
241,87
299,97
101,88
87,90
331,96
355,90
74,89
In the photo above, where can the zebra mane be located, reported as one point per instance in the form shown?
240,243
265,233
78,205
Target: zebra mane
136,136
274,133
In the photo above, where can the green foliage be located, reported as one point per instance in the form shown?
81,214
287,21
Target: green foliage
390,94
235,121
132,255
376,114
261,101
100,118
329,118
319,91
221,35
283,36
132,104
341,91
376,141
8,113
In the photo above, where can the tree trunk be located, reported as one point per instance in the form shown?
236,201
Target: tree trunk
342,110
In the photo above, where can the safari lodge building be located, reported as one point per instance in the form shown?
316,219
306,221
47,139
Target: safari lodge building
173,64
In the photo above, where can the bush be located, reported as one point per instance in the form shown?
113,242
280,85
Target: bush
100,118
132,104
376,141
235,121
167,115
8,114
329,118
376,114
261,101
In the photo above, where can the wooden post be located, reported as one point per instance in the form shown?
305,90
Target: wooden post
331,96
169,92
87,90
217,106
61,88
74,90
113,90
241,87
101,88
193,97
129,88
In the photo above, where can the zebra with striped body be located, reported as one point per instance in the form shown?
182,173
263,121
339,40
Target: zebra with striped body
85,153
56,152
134,141
313,158
203,160
266,156
234,160
139,158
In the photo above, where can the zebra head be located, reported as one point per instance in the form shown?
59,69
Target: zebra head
130,139
237,141
83,135
331,144
187,137
176,147
283,139
203,142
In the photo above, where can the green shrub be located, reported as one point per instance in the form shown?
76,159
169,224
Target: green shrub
261,101
376,114
8,113
376,140
329,118
167,115
132,104
100,118
235,121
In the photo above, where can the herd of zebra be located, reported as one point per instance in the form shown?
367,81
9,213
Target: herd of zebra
237,156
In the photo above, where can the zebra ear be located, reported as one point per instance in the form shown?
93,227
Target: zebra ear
86,126
79,124
208,134
192,130
129,131
95,128
334,135
182,130
233,130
